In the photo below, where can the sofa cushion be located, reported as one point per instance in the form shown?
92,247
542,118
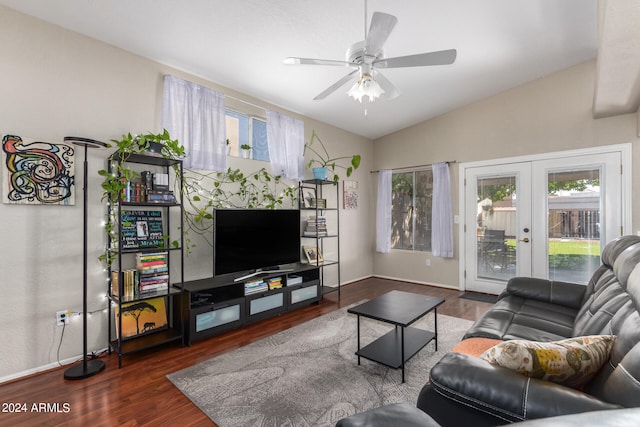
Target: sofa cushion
516,317
572,362
475,346
393,415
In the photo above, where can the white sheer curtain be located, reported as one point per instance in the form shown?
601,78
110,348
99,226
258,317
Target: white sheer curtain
285,138
194,115
383,212
441,215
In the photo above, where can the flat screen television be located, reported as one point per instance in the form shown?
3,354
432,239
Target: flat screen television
246,240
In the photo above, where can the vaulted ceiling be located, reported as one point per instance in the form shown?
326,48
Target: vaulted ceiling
241,45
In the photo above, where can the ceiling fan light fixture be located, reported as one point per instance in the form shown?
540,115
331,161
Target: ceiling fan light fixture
365,86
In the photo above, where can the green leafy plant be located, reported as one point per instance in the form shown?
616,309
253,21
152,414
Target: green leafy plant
323,158
232,189
201,192
115,180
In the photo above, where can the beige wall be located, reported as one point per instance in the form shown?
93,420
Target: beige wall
549,114
57,83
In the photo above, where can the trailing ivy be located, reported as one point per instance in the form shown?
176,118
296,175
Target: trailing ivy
201,192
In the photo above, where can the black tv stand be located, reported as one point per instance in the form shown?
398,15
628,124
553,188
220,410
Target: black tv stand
218,304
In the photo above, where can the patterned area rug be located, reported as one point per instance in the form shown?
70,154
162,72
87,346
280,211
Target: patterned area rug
309,375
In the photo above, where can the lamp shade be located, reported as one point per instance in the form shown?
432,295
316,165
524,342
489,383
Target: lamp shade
366,86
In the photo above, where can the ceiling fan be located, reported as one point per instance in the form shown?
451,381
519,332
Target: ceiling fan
367,57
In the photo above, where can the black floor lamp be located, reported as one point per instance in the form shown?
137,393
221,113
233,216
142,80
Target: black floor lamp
88,367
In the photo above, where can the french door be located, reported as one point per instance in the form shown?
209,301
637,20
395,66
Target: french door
546,218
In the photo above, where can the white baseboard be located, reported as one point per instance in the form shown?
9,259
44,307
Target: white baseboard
38,369
356,279
417,282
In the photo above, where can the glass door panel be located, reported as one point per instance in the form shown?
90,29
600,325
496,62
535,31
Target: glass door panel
580,212
573,211
496,224
494,249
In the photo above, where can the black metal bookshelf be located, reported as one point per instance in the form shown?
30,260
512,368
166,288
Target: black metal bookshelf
121,257
320,199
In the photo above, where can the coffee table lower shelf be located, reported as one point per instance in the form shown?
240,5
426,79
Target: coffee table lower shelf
387,349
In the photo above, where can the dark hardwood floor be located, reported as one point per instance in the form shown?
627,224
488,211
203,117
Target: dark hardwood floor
139,394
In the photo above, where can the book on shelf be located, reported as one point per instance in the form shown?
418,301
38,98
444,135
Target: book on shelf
318,203
152,262
275,283
160,196
255,286
147,180
161,181
316,227
150,275
130,283
147,190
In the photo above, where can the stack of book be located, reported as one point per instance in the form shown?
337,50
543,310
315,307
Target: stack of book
316,227
318,203
275,283
153,272
255,286
150,188
134,192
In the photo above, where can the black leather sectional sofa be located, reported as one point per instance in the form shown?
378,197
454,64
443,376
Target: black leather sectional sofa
464,390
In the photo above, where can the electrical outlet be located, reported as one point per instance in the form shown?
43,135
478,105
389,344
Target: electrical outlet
427,262
62,317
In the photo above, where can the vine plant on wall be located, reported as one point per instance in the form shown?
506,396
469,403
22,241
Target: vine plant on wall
201,191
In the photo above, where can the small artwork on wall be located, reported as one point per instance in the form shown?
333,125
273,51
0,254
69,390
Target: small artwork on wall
36,172
350,194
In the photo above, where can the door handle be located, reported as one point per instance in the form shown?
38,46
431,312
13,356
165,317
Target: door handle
525,240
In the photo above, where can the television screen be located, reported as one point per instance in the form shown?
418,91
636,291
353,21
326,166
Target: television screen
250,239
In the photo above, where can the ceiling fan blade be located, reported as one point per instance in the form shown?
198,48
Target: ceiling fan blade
381,26
335,86
311,61
441,57
390,91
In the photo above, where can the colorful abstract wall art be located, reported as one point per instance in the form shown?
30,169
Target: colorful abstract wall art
37,172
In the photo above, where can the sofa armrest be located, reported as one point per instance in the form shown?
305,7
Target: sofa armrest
561,293
498,391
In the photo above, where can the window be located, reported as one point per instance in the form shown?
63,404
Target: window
411,210
243,129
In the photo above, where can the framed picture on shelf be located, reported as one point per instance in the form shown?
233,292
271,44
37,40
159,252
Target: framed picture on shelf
142,317
142,229
314,256
309,195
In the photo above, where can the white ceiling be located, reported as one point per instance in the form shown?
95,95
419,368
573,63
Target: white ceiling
241,44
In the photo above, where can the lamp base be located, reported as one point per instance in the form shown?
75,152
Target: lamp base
84,370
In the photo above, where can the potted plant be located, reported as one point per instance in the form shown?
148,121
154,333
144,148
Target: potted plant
159,144
327,164
115,181
246,149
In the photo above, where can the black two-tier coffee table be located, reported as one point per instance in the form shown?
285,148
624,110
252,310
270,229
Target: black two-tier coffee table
400,344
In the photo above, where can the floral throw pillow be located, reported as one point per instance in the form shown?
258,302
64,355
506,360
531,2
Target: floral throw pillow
571,362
